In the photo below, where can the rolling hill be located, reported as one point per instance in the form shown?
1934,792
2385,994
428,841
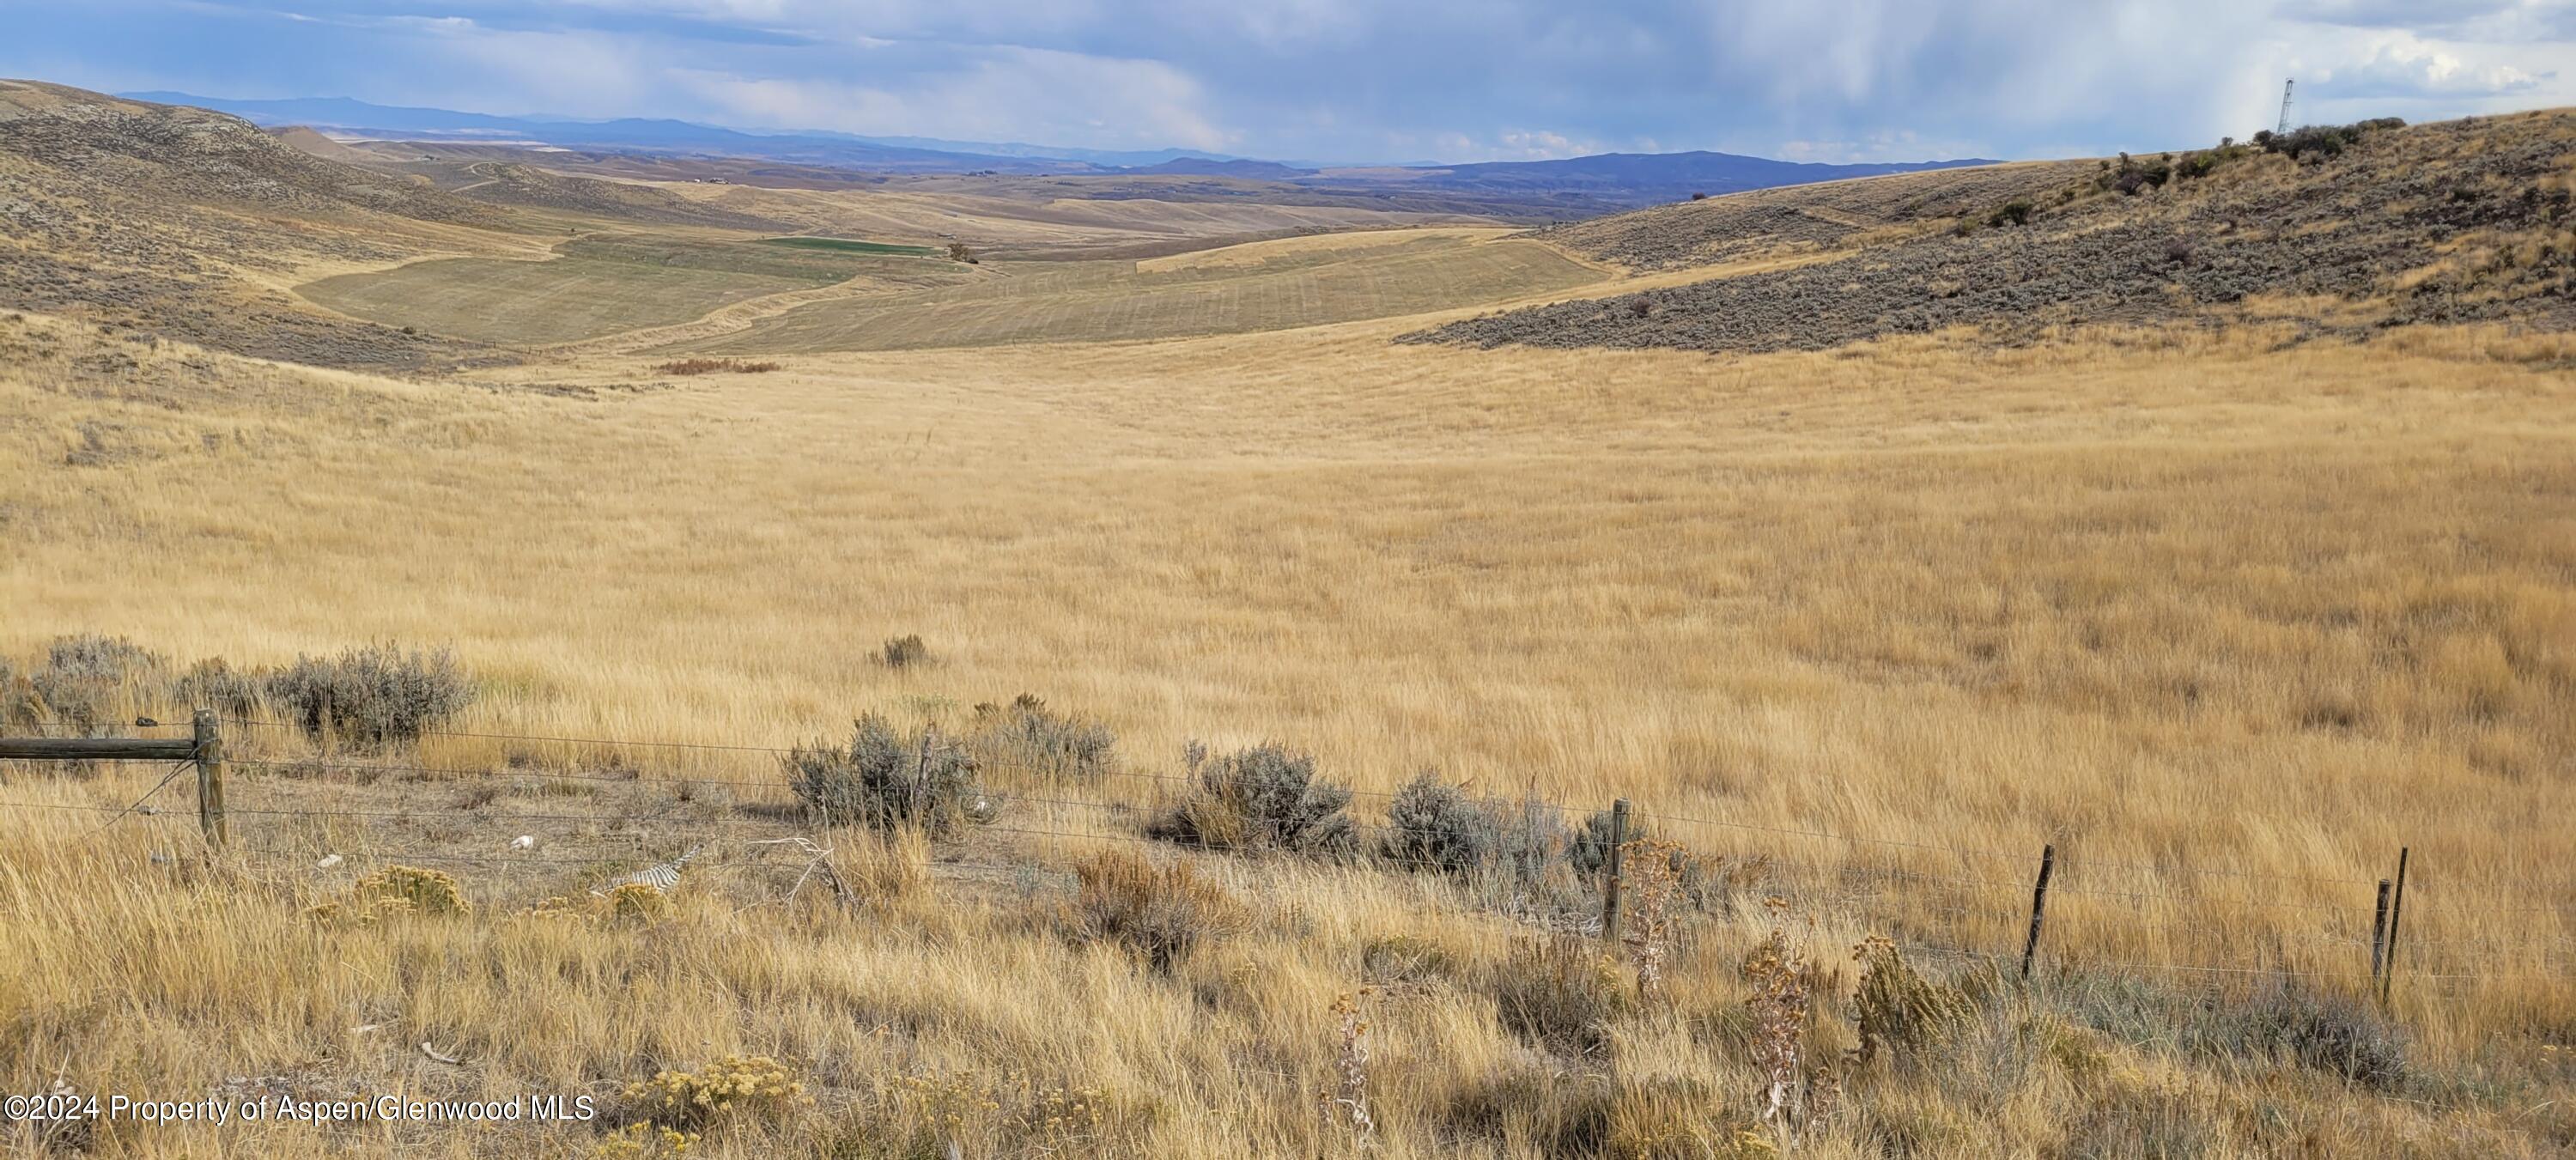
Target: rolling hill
287,244
192,223
2330,230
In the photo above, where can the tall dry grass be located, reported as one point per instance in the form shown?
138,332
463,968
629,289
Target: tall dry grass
2176,603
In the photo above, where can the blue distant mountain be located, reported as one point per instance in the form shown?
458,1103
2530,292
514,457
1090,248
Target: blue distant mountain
1592,184
653,135
1657,176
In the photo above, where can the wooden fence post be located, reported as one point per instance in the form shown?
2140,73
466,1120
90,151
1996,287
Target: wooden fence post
2379,935
2038,906
1611,866
210,778
2396,912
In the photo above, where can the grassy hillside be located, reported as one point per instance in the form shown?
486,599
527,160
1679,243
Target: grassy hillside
189,223
520,184
199,226
1808,217
2334,232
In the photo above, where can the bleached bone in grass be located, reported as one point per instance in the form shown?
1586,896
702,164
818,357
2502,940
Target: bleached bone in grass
328,861
523,842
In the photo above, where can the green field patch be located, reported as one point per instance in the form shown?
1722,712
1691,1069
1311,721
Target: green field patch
849,246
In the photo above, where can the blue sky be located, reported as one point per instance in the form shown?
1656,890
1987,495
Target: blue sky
1453,80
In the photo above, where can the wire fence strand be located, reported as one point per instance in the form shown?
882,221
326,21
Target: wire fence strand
1920,892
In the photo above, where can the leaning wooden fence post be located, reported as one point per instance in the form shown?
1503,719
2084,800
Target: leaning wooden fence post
210,778
2379,935
2038,906
2396,911
1610,865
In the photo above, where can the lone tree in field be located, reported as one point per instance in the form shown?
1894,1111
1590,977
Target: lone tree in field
957,252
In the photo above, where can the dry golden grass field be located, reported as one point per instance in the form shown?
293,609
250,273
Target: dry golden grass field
2176,603
2225,615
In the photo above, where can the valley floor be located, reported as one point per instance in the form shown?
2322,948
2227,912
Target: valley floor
2184,604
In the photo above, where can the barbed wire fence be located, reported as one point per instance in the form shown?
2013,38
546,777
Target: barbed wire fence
1991,908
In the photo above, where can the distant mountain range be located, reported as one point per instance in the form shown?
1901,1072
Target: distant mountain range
1574,186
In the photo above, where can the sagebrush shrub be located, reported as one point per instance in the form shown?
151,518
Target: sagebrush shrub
2323,140
1159,913
1263,798
214,684
373,695
904,652
86,679
111,659
709,366
1028,738
1432,825
1588,848
22,710
1497,843
886,778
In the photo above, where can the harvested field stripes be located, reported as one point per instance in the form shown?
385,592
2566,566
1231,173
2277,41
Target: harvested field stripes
562,300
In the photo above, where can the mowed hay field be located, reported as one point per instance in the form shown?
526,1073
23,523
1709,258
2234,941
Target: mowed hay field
1260,286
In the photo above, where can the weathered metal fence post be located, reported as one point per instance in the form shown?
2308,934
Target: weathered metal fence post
1611,866
2379,935
2396,912
2038,906
210,778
